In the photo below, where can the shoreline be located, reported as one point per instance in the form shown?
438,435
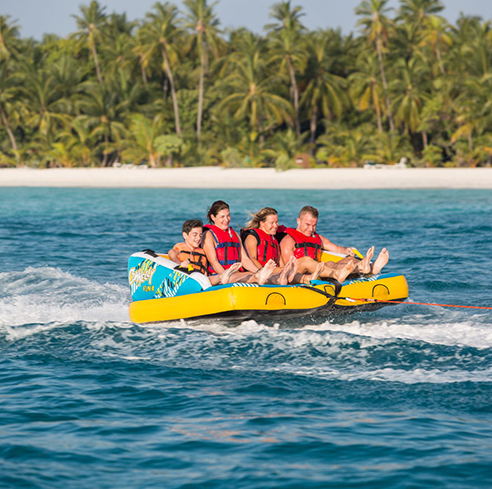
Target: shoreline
250,178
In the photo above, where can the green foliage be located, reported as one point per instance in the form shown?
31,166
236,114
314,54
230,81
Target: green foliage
174,89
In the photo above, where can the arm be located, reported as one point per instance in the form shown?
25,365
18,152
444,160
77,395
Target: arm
329,246
251,247
287,247
209,248
173,255
247,262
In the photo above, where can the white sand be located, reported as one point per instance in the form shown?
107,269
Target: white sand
215,177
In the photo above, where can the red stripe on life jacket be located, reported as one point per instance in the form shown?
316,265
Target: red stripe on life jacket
305,245
227,246
268,248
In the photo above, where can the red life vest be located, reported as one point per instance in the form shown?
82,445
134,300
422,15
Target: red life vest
197,257
227,246
305,245
268,248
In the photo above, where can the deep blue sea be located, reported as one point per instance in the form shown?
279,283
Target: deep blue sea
397,398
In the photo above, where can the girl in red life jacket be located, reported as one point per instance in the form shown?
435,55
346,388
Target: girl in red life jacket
223,248
261,245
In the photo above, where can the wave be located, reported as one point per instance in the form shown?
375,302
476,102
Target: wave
43,295
47,311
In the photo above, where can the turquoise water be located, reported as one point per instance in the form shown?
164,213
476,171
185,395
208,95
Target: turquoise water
400,397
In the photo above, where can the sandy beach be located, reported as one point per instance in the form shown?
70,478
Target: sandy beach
216,177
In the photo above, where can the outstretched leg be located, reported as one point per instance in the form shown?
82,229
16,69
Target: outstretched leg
225,276
345,269
381,261
307,278
262,275
364,266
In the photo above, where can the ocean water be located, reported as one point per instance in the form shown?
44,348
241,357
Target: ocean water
400,397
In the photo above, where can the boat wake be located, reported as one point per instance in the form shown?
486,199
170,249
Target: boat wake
44,295
50,310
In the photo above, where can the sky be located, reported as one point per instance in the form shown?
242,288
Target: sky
38,17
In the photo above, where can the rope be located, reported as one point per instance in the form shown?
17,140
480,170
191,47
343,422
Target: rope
417,303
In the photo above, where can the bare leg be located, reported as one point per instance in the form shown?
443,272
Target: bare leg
381,261
306,278
262,275
364,266
339,271
225,276
282,279
345,270
295,267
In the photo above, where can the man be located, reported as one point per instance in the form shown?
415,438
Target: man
307,246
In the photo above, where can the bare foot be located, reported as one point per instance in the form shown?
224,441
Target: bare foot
283,277
343,272
264,273
225,276
364,266
381,261
306,278
293,270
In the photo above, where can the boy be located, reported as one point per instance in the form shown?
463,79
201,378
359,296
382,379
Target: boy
189,253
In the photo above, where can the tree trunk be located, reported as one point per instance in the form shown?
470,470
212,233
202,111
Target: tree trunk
96,63
425,140
295,91
385,85
142,71
10,133
312,128
200,98
439,60
378,110
167,68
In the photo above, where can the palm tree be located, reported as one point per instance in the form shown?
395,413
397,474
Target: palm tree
323,92
78,141
435,36
342,146
160,35
377,27
287,46
102,111
365,87
416,11
141,144
203,22
252,90
8,80
44,109
410,95
90,25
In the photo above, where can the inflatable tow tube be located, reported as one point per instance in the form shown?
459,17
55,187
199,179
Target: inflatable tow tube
152,276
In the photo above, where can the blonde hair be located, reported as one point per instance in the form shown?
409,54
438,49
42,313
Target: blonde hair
260,216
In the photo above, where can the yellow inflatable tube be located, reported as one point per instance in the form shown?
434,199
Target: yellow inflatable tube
273,301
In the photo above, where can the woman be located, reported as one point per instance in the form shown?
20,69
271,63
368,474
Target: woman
261,246
224,249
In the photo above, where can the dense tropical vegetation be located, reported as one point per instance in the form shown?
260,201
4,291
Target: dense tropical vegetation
175,89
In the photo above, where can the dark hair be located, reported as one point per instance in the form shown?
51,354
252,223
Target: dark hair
307,209
215,208
260,216
191,224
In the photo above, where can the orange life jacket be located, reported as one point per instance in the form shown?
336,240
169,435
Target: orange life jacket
306,245
227,246
197,257
268,248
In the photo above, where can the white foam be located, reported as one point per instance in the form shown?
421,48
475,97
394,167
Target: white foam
476,334
50,295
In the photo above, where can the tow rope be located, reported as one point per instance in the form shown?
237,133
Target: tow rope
416,303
